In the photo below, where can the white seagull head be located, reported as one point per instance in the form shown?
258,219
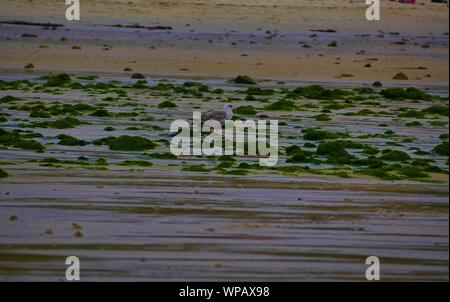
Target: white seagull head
228,108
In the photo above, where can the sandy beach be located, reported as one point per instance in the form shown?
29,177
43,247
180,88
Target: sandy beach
265,39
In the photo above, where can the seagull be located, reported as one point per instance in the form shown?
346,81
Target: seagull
219,115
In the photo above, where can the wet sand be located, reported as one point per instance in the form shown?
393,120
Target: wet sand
216,39
158,226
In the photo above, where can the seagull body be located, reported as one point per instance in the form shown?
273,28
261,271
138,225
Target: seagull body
219,115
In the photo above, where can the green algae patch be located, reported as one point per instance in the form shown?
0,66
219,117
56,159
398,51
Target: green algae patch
101,113
317,92
16,140
282,105
437,109
3,174
246,110
410,93
195,168
322,117
297,155
163,156
39,113
83,107
127,143
333,148
167,104
65,123
412,114
312,134
58,80
412,172
67,140
413,124
395,155
9,99
229,158
441,149
362,112
235,172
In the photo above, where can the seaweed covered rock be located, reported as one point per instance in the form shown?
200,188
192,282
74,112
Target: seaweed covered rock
282,105
437,109
16,140
400,76
410,93
100,113
39,113
9,99
3,174
127,143
395,155
297,155
322,117
137,76
312,134
412,114
58,80
67,140
245,110
332,148
167,104
65,123
441,149
317,92
244,79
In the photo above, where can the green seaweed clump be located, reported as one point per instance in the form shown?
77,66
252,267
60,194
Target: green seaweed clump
317,92
236,172
67,140
195,168
58,80
297,155
322,117
282,105
395,155
39,112
334,149
437,109
312,134
246,110
9,99
167,104
412,114
410,93
100,113
441,149
14,139
65,123
127,143
414,124
412,172
244,79
3,173
166,155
